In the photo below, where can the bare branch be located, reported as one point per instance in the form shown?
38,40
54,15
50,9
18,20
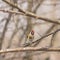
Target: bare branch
31,14
37,41
40,39
30,49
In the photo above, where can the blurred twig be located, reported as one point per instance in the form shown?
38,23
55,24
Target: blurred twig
37,6
4,30
27,55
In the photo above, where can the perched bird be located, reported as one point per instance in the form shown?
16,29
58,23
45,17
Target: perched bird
30,36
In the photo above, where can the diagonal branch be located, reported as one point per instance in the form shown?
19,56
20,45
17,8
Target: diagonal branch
37,41
31,14
40,39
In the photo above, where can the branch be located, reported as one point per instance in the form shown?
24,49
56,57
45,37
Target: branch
11,11
31,14
30,49
40,39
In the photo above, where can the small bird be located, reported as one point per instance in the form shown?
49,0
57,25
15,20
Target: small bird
30,36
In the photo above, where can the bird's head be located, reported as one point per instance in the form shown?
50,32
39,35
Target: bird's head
32,32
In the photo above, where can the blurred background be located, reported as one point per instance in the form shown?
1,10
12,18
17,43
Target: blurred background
15,27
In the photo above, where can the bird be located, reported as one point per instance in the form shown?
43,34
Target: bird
30,36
